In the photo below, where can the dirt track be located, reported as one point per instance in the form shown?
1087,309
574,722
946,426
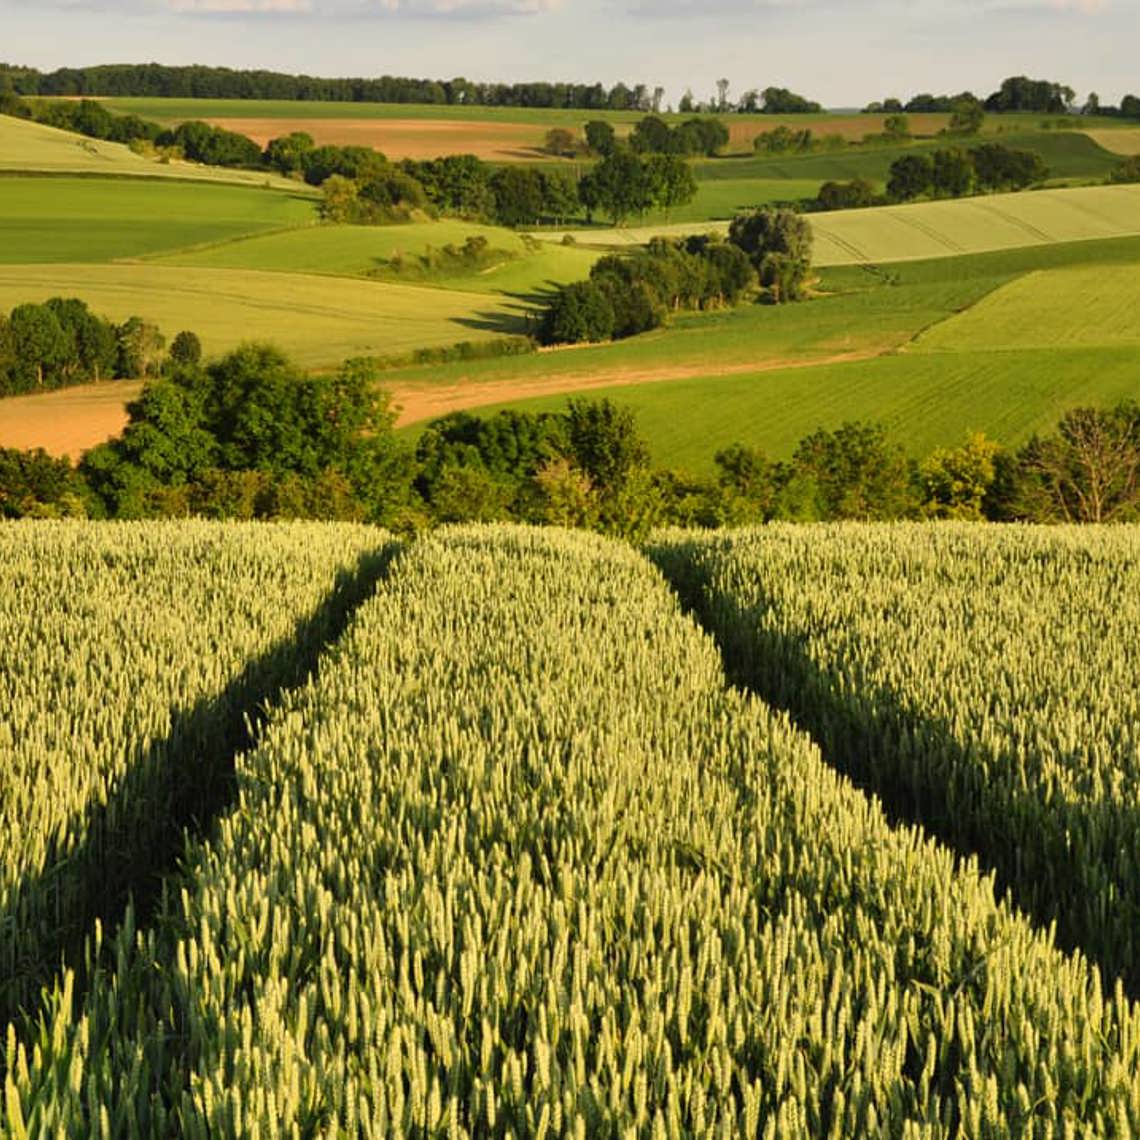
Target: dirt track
73,420
423,403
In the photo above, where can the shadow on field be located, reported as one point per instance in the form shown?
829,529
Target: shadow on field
497,321
172,793
1073,866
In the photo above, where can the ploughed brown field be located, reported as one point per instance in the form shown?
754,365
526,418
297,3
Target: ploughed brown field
69,421
742,131
406,138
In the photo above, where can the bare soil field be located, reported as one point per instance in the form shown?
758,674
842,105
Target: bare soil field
744,130
67,422
406,138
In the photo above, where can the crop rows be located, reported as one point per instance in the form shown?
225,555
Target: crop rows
518,863
131,655
982,681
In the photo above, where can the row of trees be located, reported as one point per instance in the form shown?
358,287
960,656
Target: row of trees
61,342
252,437
652,135
769,101
459,185
1018,93
955,172
195,82
628,295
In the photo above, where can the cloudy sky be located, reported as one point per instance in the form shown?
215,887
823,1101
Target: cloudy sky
841,52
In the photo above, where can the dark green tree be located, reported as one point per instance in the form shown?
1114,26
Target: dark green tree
287,153
952,173
651,136
600,137
910,177
779,243
619,186
186,349
559,196
671,182
603,441
580,313
519,195
858,473
40,344
967,118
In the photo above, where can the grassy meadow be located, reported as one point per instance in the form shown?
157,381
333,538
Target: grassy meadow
318,320
934,349
31,147
514,267
97,220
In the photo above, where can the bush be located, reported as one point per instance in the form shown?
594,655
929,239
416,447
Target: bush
853,195
1128,171
582,312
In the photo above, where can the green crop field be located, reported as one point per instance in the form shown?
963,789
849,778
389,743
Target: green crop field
978,678
360,250
92,747
1067,154
1061,308
318,320
516,860
97,219
27,146
925,400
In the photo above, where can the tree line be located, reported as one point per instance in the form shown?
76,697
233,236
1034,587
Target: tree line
152,80
1017,93
61,342
253,437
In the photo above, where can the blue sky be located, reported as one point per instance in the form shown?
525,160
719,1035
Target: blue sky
841,52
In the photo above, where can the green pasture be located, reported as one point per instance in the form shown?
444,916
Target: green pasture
925,400
176,110
317,320
856,311
360,250
722,199
1061,308
98,219
1067,154
737,355
27,147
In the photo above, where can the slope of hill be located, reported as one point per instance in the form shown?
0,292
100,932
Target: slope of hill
27,147
923,230
103,219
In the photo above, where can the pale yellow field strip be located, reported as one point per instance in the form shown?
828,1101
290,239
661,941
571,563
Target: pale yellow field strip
925,230
1125,141
317,320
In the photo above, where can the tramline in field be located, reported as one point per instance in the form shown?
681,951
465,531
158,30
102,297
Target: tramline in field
982,681
519,863
132,655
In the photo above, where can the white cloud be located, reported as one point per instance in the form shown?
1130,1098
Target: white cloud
230,6
468,7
